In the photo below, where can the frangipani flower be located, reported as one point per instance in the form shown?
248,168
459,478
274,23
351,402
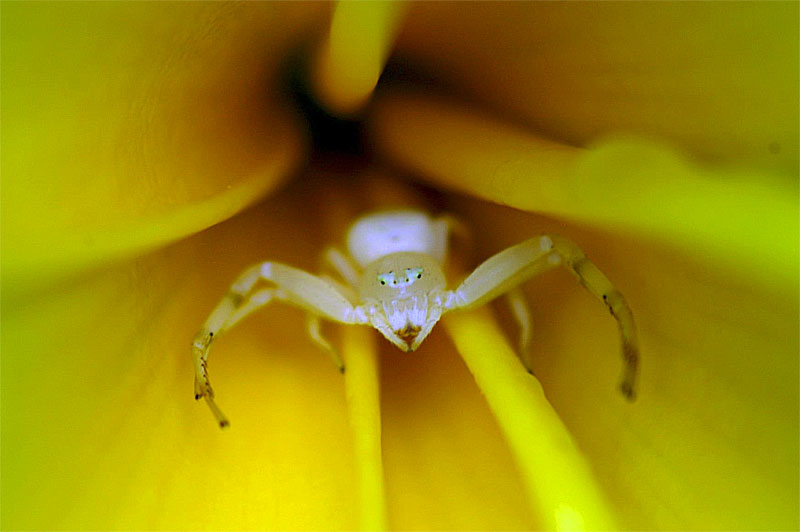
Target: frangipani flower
662,137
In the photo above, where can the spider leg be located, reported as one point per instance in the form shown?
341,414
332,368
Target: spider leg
522,314
342,264
517,264
254,302
313,325
318,296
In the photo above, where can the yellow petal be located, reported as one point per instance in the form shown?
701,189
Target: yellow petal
717,80
363,400
714,293
100,429
559,481
711,442
627,183
126,125
351,59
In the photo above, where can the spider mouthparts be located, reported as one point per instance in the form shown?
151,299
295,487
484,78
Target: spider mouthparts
408,334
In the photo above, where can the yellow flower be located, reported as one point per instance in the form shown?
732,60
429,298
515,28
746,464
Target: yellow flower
663,137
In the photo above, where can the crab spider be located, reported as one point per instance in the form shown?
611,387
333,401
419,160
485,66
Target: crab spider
393,281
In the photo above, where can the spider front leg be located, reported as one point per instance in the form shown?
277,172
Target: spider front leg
314,328
515,265
313,294
522,314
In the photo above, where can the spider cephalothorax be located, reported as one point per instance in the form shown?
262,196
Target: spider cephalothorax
392,280
402,296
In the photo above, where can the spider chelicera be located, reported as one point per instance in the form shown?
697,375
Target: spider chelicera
392,280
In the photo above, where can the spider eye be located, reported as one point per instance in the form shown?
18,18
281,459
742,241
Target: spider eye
413,273
383,282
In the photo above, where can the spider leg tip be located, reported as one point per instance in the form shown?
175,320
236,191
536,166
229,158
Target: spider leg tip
626,388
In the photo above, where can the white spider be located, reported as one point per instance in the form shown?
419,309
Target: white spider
395,283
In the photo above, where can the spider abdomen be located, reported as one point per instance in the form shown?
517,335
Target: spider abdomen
383,233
